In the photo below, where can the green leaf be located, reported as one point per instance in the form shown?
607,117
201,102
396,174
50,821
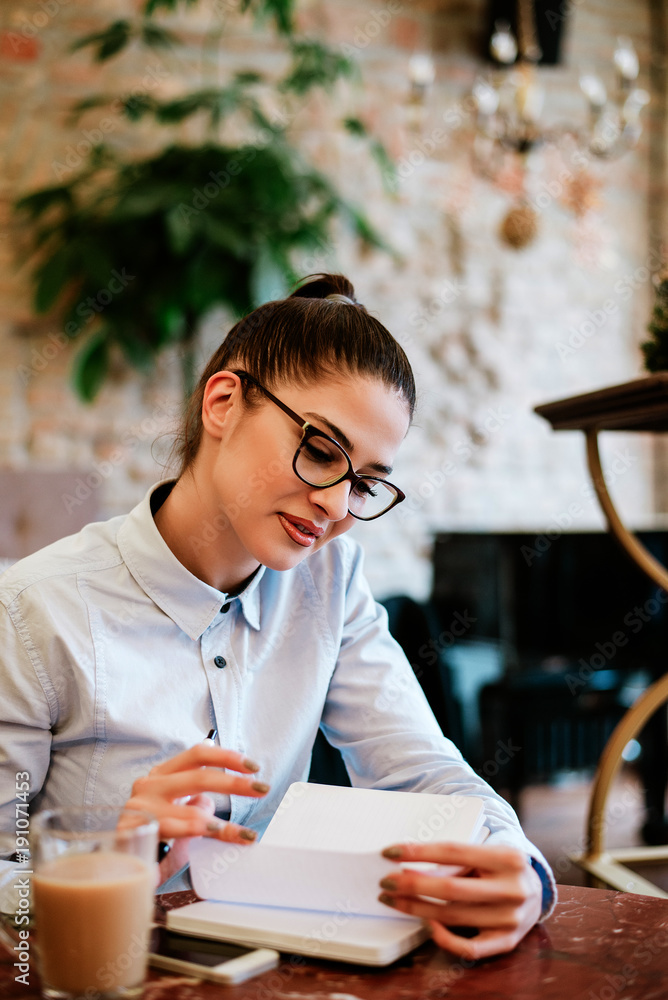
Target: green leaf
388,170
137,105
91,365
172,324
363,227
157,38
315,65
151,6
52,278
90,102
227,237
172,112
180,230
247,77
136,350
39,202
108,42
355,126
268,279
280,10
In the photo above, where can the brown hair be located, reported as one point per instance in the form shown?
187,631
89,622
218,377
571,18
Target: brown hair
299,339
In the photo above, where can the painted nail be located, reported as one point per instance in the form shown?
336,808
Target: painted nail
388,883
388,900
247,834
392,852
250,765
260,786
215,824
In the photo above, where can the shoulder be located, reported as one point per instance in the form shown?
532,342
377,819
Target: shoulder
91,549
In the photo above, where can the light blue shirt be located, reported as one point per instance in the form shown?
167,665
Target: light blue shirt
114,657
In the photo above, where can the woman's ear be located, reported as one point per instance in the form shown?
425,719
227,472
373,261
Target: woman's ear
222,397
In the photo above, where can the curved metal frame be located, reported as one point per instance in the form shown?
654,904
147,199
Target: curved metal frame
644,559
600,862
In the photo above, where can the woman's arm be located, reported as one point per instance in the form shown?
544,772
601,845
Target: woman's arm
377,715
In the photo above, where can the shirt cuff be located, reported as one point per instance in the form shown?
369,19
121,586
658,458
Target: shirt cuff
549,887
177,882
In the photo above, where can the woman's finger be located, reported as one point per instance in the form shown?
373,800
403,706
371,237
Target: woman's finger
202,779
456,888
482,856
189,822
455,914
484,945
206,755
231,832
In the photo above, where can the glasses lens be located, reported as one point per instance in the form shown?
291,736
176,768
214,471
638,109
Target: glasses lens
369,498
320,461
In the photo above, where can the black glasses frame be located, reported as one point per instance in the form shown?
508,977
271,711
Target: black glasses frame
308,432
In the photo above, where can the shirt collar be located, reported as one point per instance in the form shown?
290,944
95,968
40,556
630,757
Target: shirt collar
190,603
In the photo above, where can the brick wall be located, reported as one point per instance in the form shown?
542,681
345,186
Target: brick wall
491,331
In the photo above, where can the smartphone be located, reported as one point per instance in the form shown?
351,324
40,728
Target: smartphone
219,961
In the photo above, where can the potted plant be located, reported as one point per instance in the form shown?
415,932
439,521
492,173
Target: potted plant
136,251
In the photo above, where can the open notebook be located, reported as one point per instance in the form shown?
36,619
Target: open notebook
311,885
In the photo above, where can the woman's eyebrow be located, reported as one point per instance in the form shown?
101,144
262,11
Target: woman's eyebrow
347,444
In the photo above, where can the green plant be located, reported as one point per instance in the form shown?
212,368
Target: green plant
136,253
655,350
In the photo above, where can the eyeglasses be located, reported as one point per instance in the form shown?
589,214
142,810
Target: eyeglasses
320,461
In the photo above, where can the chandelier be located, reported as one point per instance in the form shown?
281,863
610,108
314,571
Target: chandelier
509,102
504,116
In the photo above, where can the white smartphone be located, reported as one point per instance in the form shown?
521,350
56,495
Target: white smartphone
218,961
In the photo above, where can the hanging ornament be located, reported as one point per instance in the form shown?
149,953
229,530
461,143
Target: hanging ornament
581,193
519,228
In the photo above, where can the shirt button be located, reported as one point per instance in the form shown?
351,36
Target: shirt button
220,662
225,608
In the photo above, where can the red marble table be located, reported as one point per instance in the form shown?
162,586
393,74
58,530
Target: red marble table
598,945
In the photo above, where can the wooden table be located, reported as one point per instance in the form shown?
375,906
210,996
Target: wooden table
598,945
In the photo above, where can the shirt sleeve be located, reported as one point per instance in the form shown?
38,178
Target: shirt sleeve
378,717
26,717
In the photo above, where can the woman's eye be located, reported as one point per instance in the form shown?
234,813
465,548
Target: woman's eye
366,489
316,455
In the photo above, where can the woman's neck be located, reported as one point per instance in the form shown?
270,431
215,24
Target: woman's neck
202,539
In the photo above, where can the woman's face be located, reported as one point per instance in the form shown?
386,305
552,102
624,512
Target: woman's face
247,462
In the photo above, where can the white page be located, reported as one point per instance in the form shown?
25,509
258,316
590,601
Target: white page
300,862
290,877
370,940
335,818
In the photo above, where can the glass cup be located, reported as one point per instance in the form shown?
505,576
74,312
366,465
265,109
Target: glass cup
92,899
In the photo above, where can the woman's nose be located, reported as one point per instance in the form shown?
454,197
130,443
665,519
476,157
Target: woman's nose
333,500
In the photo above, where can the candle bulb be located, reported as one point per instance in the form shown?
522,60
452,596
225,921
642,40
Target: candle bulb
486,97
421,72
502,44
594,90
626,60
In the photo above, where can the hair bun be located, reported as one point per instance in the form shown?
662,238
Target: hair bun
335,287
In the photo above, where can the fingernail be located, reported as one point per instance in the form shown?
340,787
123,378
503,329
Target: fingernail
250,765
260,786
215,824
388,883
388,900
392,852
246,834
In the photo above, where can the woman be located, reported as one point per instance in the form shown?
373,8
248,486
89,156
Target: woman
229,599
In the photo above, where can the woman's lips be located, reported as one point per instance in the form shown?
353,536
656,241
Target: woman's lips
299,530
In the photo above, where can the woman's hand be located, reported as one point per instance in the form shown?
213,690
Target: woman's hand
497,892
175,793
